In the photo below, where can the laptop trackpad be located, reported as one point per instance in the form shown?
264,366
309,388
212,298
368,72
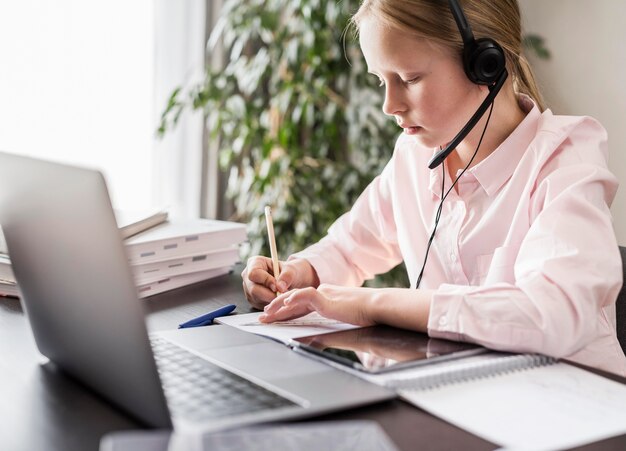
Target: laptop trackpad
244,353
267,361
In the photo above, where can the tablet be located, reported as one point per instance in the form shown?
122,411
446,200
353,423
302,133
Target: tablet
378,349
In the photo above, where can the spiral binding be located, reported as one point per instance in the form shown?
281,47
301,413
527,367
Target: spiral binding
468,371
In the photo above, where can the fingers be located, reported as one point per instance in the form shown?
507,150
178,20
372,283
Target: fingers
259,284
297,273
258,272
258,296
286,278
276,304
290,305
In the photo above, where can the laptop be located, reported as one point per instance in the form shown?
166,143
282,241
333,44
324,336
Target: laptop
78,292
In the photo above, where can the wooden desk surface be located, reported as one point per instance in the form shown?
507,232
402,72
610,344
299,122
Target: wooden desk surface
42,409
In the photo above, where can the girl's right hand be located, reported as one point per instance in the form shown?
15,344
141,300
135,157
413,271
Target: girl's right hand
260,286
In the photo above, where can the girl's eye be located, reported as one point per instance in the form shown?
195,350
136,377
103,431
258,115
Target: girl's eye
412,81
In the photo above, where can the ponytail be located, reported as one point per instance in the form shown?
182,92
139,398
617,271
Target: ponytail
524,81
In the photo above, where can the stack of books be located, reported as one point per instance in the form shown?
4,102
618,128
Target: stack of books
181,252
164,253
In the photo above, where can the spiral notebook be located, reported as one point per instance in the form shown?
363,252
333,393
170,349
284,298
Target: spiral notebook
522,401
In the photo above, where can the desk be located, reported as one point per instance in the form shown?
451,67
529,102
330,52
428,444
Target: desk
41,409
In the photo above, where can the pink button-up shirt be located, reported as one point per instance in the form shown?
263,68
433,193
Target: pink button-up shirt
525,257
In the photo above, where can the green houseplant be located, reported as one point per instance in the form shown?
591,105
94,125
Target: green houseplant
297,118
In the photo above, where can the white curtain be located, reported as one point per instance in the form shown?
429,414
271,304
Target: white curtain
213,201
179,61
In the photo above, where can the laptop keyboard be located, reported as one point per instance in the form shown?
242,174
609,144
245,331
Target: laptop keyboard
197,389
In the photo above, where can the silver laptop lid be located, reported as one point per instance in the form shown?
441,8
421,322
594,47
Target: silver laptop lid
77,288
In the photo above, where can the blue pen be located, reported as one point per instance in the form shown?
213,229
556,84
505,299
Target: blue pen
208,318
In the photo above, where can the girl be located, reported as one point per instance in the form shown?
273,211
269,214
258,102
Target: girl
524,258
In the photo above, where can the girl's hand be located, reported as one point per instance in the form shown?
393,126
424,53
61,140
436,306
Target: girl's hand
260,286
399,307
346,304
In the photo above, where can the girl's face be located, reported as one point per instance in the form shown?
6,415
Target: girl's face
426,89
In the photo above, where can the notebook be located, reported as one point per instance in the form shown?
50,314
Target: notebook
520,401
82,305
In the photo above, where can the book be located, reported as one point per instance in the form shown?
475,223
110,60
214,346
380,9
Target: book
162,255
9,289
520,401
171,283
6,272
132,222
176,238
151,272
8,285
3,244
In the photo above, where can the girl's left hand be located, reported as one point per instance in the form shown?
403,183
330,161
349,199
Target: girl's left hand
345,304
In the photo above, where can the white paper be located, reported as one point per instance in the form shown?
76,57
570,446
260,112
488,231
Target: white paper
544,408
311,324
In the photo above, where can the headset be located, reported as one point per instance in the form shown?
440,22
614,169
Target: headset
484,64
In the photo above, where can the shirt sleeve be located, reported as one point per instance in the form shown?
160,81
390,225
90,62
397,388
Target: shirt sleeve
567,269
362,242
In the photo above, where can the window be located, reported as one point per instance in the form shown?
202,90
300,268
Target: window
83,82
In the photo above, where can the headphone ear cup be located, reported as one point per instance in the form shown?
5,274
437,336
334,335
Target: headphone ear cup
484,61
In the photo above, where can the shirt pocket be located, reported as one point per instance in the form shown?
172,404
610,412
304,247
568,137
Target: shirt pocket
497,267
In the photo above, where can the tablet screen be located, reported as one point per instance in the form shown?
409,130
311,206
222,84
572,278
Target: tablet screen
381,348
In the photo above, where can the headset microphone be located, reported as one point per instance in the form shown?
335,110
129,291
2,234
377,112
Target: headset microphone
493,92
484,64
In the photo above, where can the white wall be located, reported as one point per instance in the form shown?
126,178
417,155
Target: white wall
587,72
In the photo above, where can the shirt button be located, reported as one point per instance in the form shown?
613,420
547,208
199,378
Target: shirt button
443,320
453,258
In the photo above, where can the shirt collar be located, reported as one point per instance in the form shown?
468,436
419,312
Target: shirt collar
497,168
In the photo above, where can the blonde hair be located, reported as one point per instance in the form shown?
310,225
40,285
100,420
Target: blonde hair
431,19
